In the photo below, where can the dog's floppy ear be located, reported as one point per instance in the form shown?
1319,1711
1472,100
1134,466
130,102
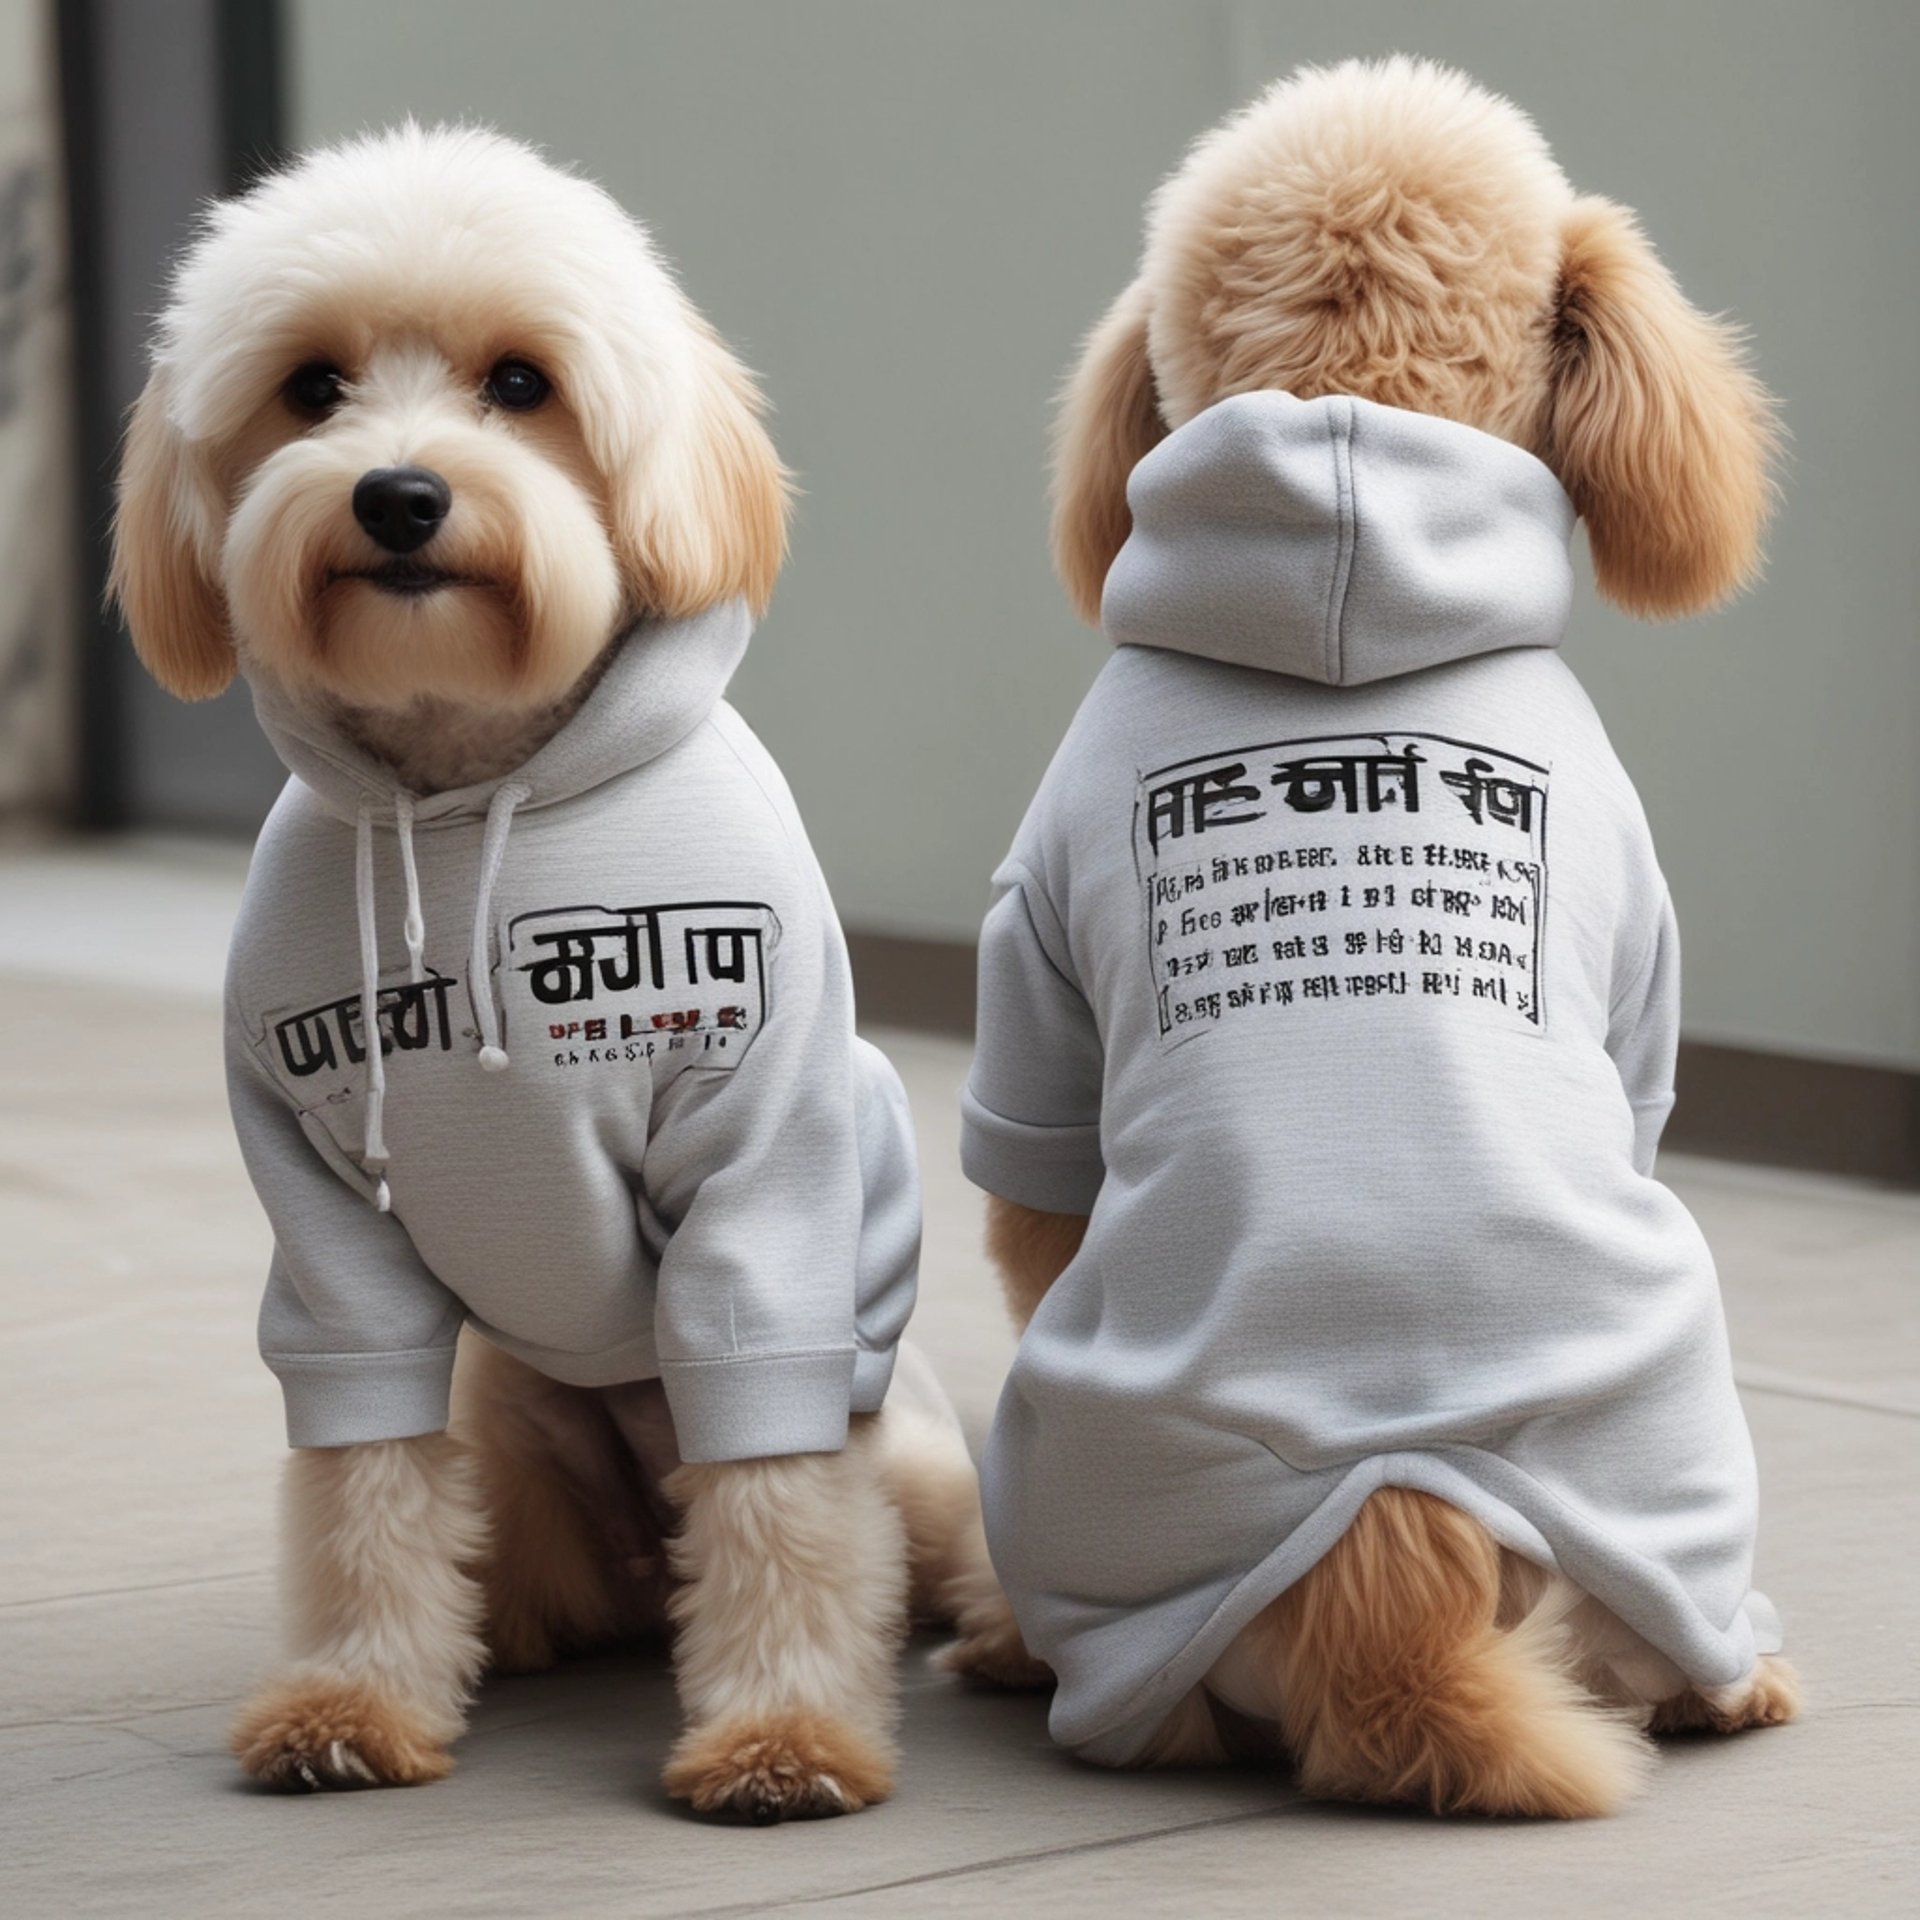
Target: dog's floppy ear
176,615
1109,420
1657,427
704,518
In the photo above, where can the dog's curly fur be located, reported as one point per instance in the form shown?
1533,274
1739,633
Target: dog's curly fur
414,262
1393,231
552,1519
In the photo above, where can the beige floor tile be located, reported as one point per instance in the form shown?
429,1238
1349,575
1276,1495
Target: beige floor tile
136,1596
554,1808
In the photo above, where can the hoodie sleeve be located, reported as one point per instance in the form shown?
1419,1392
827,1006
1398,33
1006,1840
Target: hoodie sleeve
359,1332
1030,1116
1643,1036
755,1174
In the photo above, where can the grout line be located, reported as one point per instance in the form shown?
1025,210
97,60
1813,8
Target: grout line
1792,1386
122,1723
757,1908
151,1586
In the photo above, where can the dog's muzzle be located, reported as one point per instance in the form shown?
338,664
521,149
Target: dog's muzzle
401,508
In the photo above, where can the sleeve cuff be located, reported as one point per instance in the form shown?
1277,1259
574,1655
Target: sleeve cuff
1052,1169
1649,1122
343,1399
752,1406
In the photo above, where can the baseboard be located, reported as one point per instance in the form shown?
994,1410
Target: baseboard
923,984
1786,1110
1737,1103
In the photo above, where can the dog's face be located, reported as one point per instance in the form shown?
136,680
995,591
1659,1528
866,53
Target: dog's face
1392,231
429,417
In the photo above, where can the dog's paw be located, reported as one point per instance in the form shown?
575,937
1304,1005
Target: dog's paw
311,1732
1768,1697
785,1766
990,1652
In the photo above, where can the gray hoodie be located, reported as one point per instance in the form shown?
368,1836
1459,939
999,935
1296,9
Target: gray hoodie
1333,975
617,1117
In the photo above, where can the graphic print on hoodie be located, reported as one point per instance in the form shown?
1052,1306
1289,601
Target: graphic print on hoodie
617,1117
1332,973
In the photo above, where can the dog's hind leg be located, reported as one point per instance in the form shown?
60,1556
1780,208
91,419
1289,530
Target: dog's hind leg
930,1476
384,1619
1618,1666
1203,1731
1393,1679
790,1619
1768,1697
572,1562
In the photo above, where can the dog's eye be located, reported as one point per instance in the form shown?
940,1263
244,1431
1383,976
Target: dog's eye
515,385
316,387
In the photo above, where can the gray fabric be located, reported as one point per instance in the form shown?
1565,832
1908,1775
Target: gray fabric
1341,541
690,1166
1345,1000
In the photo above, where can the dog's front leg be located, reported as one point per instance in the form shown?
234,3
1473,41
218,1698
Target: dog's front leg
383,1618
1032,1250
790,1616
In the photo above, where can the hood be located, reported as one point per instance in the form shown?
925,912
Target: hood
1339,541
665,680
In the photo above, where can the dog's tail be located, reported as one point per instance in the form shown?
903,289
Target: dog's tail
1397,1682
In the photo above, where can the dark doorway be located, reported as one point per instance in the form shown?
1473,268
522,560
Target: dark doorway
167,103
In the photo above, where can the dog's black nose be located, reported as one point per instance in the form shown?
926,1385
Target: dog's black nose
401,507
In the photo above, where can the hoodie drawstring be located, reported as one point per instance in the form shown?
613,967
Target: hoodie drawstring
493,1056
374,1157
415,928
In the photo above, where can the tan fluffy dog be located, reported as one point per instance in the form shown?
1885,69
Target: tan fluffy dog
1394,233
447,301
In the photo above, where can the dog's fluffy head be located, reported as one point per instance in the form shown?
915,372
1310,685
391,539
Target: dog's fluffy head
1393,231
412,265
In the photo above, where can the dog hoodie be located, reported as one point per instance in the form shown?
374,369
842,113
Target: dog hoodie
568,1056
1332,974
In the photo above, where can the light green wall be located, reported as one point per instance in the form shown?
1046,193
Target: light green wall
905,215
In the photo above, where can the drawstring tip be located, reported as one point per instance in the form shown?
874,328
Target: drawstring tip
383,1198
493,1059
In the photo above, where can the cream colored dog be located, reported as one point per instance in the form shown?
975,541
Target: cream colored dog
445,303
1393,232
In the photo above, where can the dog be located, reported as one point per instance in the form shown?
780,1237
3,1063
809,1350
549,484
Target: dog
1374,1405
435,451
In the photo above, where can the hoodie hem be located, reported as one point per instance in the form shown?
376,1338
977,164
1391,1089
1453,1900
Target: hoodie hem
613,1366
1708,1655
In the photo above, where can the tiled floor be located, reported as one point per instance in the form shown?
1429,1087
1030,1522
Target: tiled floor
140,1438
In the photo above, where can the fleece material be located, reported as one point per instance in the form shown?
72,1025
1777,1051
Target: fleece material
684,1165
1333,974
